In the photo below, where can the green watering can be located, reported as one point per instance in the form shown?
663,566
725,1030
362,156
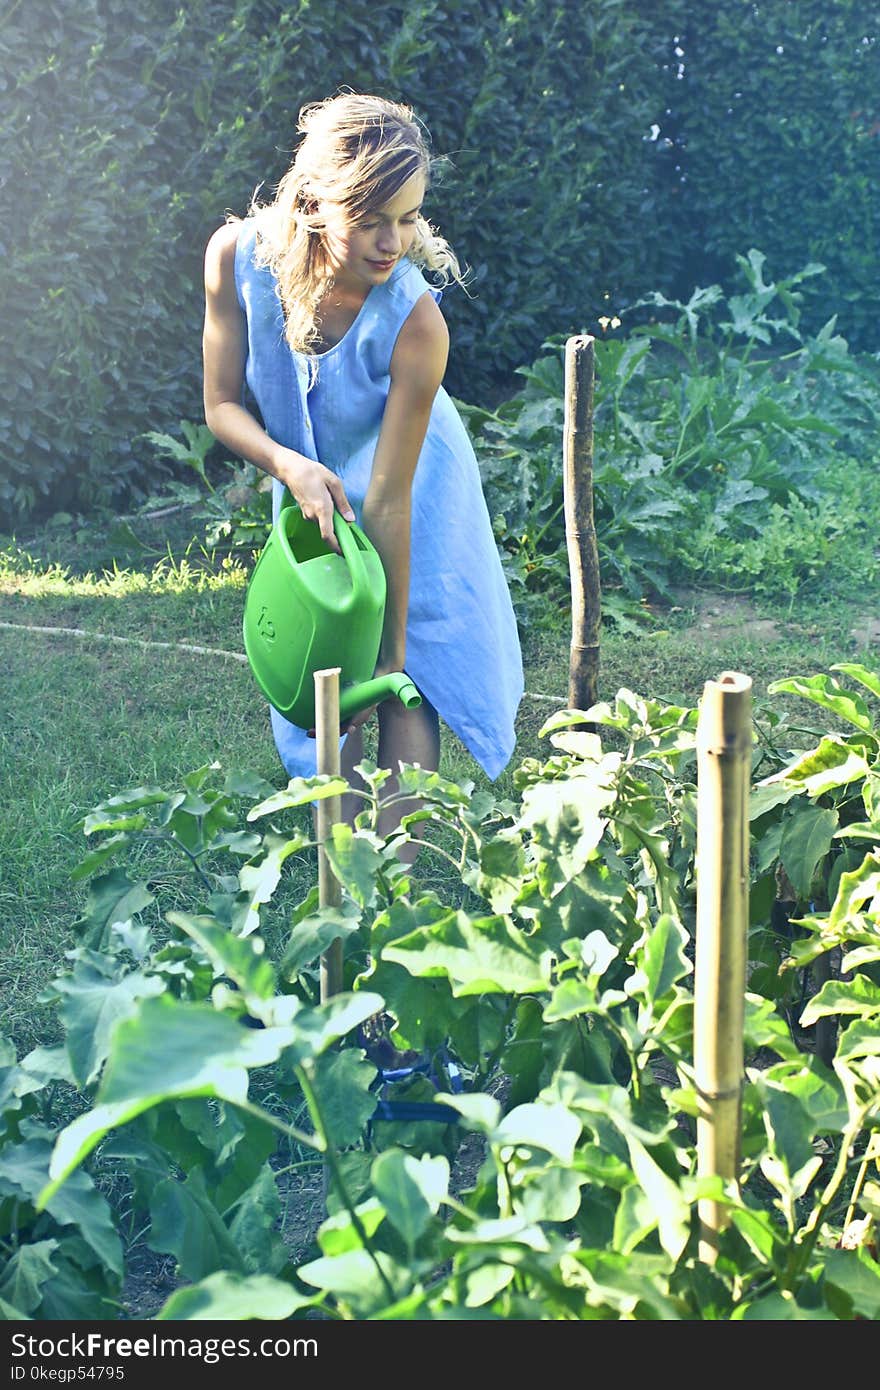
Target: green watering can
308,609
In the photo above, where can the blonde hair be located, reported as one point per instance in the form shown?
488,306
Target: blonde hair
357,151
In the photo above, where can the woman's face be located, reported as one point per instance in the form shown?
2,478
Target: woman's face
364,253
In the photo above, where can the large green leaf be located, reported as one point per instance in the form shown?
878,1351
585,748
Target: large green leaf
343,1080
852,1284
240,958
548,1192
243,1143
440,791
660,961
227,1296
550,1127
173,1048
816,1088
779,1307
96,998
606,1105
114,812
339,1233
314,1030
869,679
254,1226
78,1291
300,791
566,820
855,888
357,859
789,1124
791,1164
523,1058
857,996
259,878
624,1284
29,1269
10,1314
40,1068
479,1111
169,1049
410,1189
354,1279
769,794
112,898
311,937
574,997
670,1208
807,835
833,763
826,691
425,1011
477,1030
24,1172
763,1027
479,955
245,783
485,1283
634,1219
187,1225
498,875
860,1039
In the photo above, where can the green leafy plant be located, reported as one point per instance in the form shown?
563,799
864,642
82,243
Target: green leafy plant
556,970
238,513
719,448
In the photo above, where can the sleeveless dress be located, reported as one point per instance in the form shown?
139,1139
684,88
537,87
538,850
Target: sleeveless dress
462,646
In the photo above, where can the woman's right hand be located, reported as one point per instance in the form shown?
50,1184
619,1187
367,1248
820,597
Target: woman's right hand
318,491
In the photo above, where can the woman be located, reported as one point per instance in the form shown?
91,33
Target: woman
317,304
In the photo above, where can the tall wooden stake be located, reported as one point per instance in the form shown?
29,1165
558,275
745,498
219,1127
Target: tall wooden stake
724,743
580,528
329,811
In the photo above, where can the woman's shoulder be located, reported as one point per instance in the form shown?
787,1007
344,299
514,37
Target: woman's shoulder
422,345
220,254
222,242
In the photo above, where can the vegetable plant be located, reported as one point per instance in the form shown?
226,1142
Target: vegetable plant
553,962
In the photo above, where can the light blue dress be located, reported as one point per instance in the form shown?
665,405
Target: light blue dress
462,647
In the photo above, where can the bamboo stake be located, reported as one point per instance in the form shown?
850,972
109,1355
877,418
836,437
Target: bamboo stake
329,811
724,741
580,529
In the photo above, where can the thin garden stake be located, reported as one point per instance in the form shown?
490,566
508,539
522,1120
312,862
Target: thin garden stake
724,743
580,528
329,811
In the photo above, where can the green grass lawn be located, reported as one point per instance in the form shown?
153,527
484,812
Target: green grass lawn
83,719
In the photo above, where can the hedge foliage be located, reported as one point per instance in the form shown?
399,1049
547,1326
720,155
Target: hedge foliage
125,136
776,123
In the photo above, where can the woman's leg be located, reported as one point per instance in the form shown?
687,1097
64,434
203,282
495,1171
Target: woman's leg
352,753
406,736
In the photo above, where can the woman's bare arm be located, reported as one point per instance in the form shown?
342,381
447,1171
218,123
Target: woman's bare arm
317,490
417,367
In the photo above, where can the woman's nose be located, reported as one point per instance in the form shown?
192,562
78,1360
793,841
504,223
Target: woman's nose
389,240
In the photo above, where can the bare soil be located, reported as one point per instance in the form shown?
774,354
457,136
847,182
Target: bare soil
717,617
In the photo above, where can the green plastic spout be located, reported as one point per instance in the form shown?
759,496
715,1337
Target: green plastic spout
353,698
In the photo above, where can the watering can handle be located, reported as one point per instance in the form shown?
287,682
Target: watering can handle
354,556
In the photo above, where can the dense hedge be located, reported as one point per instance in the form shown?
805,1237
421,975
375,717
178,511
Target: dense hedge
776,121
97,302
125,135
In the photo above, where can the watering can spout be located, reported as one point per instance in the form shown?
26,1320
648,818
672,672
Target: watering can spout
396,684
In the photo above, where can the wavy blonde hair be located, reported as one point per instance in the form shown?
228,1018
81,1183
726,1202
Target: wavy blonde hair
357,151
